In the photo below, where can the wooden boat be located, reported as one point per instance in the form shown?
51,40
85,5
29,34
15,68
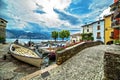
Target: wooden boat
25,54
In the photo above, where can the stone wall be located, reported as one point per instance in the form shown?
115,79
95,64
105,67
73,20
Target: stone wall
111,66
63,55
2,30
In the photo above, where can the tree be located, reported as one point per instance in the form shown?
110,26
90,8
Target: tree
67,34
64,34
54,35
87,36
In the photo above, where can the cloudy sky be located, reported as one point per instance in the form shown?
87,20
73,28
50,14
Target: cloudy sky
46,15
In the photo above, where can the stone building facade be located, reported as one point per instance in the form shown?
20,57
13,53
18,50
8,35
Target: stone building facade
3,24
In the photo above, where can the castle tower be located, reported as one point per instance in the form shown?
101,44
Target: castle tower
3,24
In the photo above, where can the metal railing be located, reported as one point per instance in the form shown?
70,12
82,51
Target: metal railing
116,23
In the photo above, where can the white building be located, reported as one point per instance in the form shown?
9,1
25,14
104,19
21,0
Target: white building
87,28
75,37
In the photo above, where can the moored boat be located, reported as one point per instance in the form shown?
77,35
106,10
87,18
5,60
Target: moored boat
25,54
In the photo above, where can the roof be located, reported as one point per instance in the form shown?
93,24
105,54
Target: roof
86,25
74,35
92,22
3,20
98,20
108,15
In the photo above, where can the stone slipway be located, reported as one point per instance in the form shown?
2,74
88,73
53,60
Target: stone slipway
86,65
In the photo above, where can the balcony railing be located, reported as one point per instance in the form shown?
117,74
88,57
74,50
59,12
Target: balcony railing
116,23
115,6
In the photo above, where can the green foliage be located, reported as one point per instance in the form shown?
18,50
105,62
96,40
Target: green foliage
54,35
117,41
87,36
64,34
67,34
2,39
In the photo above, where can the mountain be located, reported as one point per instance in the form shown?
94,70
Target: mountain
25,35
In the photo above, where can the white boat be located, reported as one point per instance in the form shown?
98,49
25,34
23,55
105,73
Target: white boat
25,54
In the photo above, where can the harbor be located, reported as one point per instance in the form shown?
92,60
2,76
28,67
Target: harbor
13,69
60,40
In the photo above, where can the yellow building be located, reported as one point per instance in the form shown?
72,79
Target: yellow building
109,32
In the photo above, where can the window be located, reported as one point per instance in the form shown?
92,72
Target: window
112,34
2,21
98,27
98,35
98,22
87,30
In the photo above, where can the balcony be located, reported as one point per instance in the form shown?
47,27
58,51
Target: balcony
116,24
114,6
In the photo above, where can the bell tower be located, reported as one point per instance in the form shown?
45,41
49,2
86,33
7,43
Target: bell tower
3,24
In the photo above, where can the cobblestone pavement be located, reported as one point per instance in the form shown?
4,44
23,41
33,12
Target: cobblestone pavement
86,65
11,68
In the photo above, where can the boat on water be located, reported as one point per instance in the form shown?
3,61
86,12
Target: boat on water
25,54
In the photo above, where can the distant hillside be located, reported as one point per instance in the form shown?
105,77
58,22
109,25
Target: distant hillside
24,35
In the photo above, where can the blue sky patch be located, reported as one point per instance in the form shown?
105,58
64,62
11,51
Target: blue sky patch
45,15
63,16
39,11
81,7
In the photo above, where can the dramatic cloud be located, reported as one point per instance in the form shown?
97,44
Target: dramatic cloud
37,15
71,19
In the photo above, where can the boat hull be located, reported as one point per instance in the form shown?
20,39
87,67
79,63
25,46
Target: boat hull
35,61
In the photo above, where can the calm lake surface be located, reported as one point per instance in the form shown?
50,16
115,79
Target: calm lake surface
26,40
33,40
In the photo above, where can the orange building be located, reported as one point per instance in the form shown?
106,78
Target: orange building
115,1
115,7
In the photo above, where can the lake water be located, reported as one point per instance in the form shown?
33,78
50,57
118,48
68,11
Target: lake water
33,40
26,40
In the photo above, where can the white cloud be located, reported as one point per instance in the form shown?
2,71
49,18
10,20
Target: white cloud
105,12
101,5
23,10
98,10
